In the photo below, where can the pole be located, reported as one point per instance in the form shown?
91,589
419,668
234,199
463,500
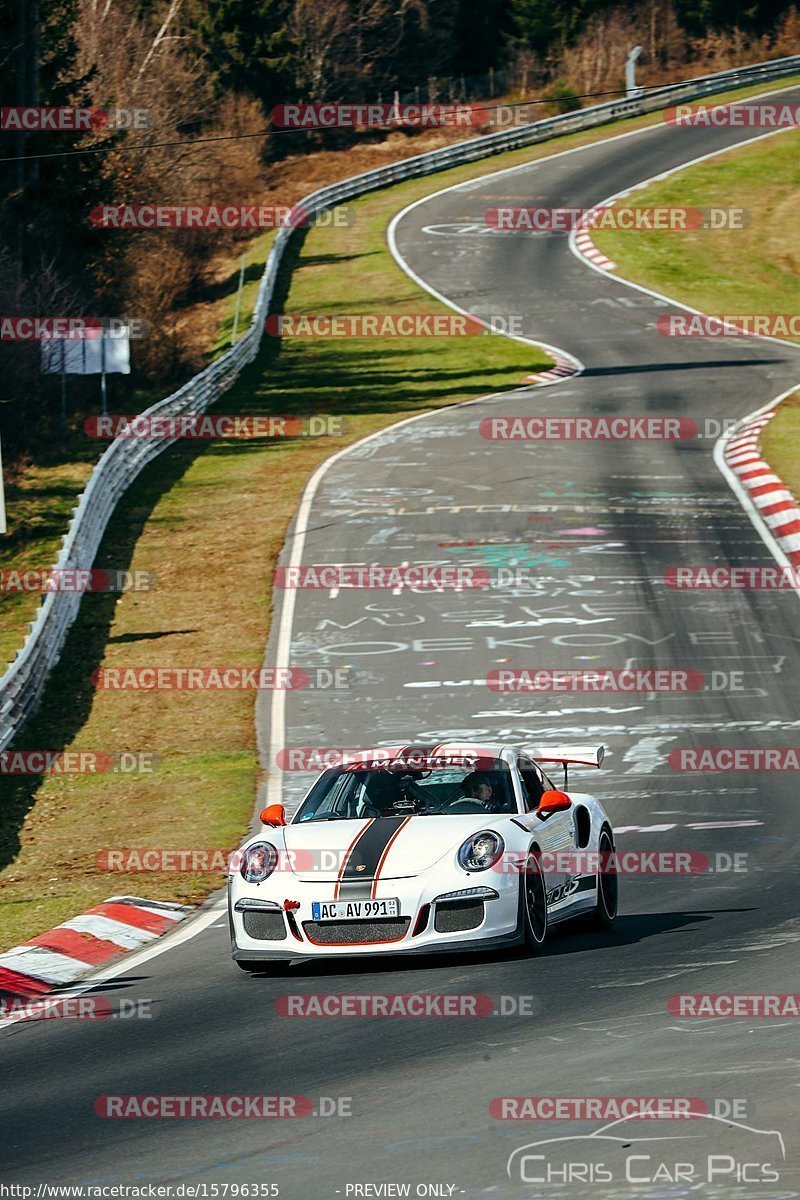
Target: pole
104,398
238,302
2,499
63,385
631,90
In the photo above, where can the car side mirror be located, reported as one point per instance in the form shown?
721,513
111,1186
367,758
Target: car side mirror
274,815
553,801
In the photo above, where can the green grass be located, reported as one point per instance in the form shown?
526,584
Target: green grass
255,256
39,504
730,272
780,443
723,271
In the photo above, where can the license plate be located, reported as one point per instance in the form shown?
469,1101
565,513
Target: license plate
354,910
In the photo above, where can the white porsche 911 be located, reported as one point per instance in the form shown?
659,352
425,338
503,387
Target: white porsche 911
416,849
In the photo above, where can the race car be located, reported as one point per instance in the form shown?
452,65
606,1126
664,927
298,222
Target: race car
424,849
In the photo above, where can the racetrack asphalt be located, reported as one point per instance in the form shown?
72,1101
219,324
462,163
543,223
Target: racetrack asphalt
597,525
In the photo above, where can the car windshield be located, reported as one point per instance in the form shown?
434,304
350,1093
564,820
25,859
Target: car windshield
346,794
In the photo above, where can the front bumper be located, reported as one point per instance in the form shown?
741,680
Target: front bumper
428,924
443,946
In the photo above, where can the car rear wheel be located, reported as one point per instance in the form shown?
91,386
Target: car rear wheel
605,913
534,903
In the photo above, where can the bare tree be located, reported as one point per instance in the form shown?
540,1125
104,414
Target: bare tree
321,33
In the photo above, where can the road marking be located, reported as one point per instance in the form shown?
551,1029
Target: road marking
686,825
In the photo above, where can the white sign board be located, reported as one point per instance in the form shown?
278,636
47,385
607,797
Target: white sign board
109,354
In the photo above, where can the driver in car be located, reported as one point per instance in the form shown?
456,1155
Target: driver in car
477,787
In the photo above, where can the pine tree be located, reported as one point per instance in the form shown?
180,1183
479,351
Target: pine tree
247,45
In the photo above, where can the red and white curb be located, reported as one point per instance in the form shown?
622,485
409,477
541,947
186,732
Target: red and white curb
775,505
586,247
564,368
581,241
67,953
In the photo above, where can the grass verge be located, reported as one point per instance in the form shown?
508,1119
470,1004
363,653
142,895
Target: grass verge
727,272
780,442
723,271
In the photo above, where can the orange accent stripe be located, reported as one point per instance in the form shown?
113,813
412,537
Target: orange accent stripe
350,848
389,845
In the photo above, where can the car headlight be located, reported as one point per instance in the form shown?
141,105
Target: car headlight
258,862
481,851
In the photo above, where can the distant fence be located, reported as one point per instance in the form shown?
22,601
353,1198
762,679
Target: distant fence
22,684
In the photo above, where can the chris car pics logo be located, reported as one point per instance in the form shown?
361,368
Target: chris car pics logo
632,1151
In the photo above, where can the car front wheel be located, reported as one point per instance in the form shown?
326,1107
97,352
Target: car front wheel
534,903
605,912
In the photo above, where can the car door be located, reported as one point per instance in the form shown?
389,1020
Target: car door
554,834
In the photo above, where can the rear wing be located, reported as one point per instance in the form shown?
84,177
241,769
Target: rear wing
568,756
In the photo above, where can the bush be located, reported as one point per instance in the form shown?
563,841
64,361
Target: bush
561,99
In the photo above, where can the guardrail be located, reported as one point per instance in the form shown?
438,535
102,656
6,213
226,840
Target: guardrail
22,683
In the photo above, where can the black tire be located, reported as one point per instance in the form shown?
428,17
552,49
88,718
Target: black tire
534,904
279,967
605,914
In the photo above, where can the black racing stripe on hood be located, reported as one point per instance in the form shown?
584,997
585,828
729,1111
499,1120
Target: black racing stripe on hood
366,853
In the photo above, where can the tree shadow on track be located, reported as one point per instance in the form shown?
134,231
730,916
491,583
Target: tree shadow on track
702,365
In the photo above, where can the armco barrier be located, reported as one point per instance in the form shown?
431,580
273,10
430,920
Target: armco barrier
21,685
